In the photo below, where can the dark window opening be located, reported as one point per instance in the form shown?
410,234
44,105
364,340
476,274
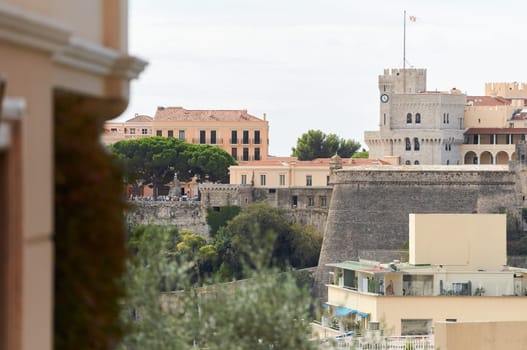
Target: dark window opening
202,137
409,118
213,137
234,137
159,133
170,133
418,118
257,137
245,140
245,154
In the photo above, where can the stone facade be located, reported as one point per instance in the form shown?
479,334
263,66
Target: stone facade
183,215
416,126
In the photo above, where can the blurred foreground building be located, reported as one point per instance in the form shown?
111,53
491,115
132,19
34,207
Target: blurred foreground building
52,53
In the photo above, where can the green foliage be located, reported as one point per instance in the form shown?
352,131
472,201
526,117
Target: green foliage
89,234
219,218
267,311
153,160
362,154
262,236
317,144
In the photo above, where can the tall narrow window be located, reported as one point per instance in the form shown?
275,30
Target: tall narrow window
408,144
418,118
409,118
182,135
416,144
245,154
202,137
213,137
159,133
234,137
262,180
234,153
384,120
282,180
245,140
244,179
309,180
310,201
323,201
328,178
257,153
257,137
170,133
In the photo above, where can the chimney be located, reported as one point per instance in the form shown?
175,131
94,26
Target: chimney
265,116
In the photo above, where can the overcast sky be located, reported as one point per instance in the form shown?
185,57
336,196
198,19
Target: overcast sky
314,64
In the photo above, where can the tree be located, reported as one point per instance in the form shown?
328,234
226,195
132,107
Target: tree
317,144
266,312
306,242
362,154
153,160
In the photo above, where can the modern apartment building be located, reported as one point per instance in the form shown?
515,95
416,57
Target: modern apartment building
66,57
456,272
239,133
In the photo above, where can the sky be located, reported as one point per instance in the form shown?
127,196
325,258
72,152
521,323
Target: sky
314,64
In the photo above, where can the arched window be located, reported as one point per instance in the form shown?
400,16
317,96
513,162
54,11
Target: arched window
448,118
409,118
448,162
408,144
416,162
418,118
416,144
446,147
444,118
407,162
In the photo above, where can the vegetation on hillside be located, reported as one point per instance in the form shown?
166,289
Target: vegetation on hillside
316,144
268,311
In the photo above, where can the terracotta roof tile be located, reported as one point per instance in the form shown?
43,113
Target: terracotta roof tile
322,162
488,101
140,118
182,114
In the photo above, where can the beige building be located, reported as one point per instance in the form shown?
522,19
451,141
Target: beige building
51,53
239,133
416,126
282,172
494,123
456,272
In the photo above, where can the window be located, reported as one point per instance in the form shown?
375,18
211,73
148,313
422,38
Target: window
418,118
444,118
234,137
476,139
234,153
294,201
257,153
245,154
182,135
170,133
257,137
282,180
408,144
310,201
409,118
202,137
262,180
159,133
384,122
245,139
213,137
416,327
132,131
448,162
407,162
416,162
144,131
244,179
113,129
448,118
328,178
416,144
461,288
323,201
309,180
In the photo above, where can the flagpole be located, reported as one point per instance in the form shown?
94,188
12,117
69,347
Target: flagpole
404,53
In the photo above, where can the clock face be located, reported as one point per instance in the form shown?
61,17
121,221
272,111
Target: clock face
384,98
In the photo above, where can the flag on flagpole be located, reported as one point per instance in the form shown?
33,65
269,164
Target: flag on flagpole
412,18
